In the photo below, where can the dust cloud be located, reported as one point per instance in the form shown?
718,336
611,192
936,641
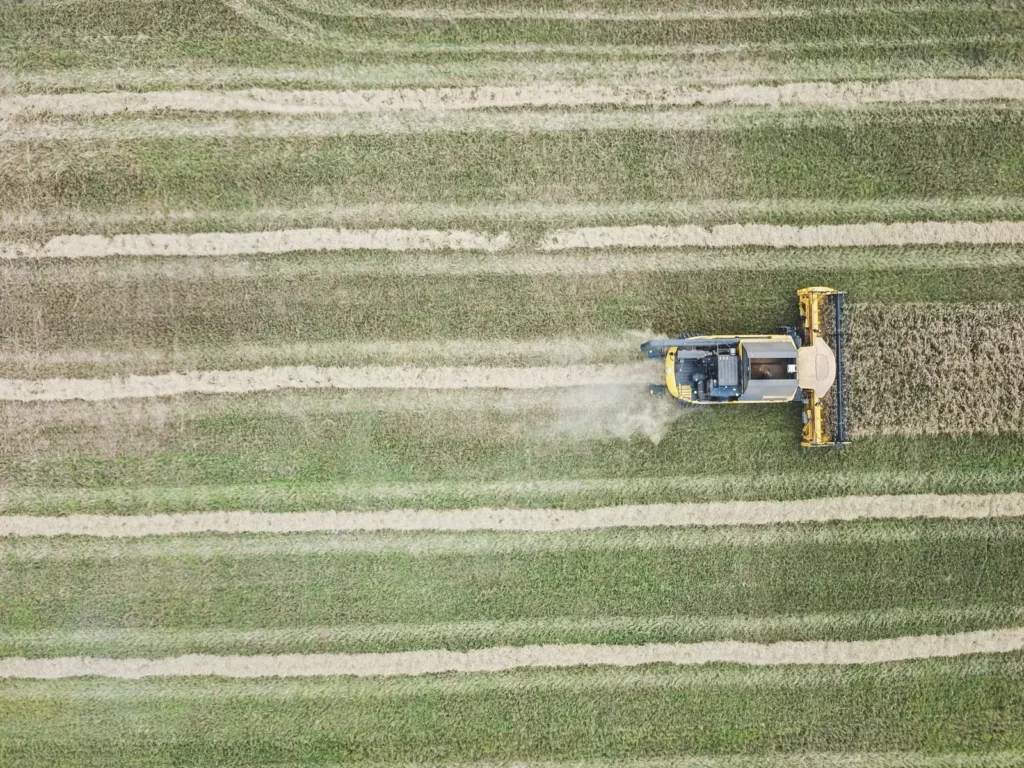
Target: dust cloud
618,411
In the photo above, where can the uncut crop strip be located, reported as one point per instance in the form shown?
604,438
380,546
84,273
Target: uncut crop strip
685,236
937,368
305,102
534,520
509,658
310,377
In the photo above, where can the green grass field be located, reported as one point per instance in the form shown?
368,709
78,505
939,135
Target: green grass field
862,638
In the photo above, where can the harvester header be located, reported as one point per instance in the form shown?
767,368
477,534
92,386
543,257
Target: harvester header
822,313
803,365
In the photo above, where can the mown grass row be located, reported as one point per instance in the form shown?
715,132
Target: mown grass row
207,32
977,59
356,582
934,707
936,153
526,222
630,630
565,493
314,439
138,304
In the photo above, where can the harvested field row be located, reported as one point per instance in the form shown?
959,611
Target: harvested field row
725,236
657,548
514,216
575,37
398,73
378,592
199,24
630,630
925,476
569,448
237,313
304,102
689,717
411,122
937,368
311,377
641,516
485,550
596,349
508,658
968,153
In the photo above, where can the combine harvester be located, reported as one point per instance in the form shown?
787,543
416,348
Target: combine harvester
779,368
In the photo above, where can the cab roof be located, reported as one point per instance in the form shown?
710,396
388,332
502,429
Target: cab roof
770,349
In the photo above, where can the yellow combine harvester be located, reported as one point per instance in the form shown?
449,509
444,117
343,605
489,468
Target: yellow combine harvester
782,367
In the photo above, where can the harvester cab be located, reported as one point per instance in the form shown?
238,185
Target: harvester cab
804,365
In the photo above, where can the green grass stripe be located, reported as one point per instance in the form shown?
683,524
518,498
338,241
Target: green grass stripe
566,493
593,434
256,127
102,363
523,220
527,98
182,21
247,582
959,60
932,707
248,57
433,543
173,32
430,544
862,625
942,153
128,304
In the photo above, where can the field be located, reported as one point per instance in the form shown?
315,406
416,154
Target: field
324,433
